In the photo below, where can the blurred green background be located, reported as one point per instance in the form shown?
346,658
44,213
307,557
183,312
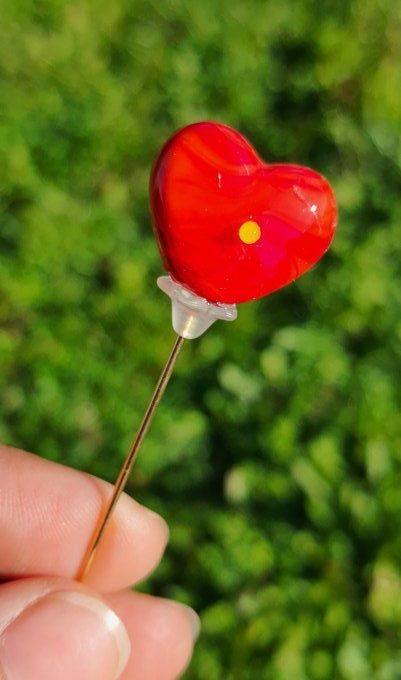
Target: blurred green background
276,454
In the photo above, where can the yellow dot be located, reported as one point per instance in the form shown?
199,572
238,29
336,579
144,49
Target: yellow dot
249,232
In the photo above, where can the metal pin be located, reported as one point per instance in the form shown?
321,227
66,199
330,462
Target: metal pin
130,459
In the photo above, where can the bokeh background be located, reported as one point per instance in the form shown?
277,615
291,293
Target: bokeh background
276,454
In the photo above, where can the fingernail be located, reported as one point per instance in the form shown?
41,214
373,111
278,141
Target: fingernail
196,624
65,635
192,616
158,519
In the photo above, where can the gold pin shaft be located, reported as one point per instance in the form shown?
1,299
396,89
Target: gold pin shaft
131,457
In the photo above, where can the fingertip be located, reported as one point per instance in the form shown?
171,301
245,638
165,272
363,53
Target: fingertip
162,632
53,511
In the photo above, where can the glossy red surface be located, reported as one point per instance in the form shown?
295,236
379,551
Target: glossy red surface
207,182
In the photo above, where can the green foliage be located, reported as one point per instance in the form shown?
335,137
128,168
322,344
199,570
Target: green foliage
276,455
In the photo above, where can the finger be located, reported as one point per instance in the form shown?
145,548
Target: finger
162,634
48,514
57,630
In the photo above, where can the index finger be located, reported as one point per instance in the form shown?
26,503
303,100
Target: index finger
48,514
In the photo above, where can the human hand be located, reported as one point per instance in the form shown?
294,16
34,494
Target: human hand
53,628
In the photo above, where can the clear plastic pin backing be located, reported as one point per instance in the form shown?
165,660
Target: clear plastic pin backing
193,315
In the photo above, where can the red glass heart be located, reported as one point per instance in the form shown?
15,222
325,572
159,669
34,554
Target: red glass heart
230,227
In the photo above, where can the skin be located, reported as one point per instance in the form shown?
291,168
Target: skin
50,625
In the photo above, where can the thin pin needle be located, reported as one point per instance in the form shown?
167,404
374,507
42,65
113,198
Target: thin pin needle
131,457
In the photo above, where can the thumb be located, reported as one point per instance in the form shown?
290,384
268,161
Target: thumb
54,629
